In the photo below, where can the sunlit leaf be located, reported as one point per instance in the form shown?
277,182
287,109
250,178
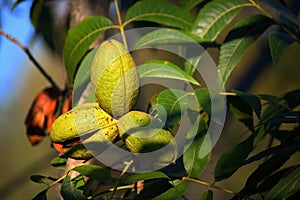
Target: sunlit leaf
215,16
144,176
79,39
163,36
159,11
69,191
164,69
278,42
59,162
245,32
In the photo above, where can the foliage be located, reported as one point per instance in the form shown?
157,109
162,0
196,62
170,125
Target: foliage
262,114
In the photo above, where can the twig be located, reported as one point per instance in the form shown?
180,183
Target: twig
31,58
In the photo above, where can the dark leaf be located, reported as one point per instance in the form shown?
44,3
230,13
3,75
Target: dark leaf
41,195
154,189
94,172
284,186
69,191
278,42
252,100
208,195
144,176
230,161
180,187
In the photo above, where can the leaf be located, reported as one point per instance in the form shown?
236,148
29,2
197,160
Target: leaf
215,16
41,195
197,152
180,187
154,189
144,176
17,2
35,12
83,77
189,4
252,100
241,110
164,69
245,32
163,36
94,172
69,191
203,97
59,162
79,39
191,64
38,178
231,160
172,104
278,42
159,11
284,186
281,14
207,195
265,169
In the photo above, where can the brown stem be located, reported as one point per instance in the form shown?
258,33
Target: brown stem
31,58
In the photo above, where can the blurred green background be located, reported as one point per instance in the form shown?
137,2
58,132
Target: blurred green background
20,82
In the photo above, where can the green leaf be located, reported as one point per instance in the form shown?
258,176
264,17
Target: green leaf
245,32
69,191
41,195
241,110
265,169
207,195
197,152
180,187
17,2
189,4
278,42
252,100
144,176
172,104
164,69
281,14
35,11
203,97
154,189
159,11
230,161
59,162
191,64
79,39
38,178
83,77
94,172
163,36
284,186
215,16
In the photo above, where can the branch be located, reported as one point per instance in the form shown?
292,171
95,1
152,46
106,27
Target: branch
31,58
